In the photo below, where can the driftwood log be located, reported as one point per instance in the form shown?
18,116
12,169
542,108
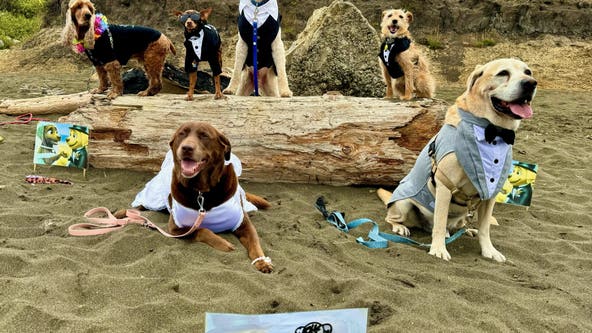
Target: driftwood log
60,104
329,139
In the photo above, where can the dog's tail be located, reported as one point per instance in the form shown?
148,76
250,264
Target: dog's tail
171,46
423,64
384,195
258,201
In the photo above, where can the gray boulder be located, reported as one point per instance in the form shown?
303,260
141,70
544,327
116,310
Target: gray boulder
337,51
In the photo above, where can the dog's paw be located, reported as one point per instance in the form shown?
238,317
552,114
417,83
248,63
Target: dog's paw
400,229
264,267
113,95
263,264
440,252
228,91
472,232
219,96
286,93
189,98
225,247
492,253
405,97
98,90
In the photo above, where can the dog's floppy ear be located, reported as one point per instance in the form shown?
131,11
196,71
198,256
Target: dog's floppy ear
69,31
177,13
172,141
476,74
205,13
409,16
226,144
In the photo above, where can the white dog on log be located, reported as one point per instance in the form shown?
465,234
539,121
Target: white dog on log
271,58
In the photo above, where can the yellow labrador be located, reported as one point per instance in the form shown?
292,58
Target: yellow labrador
465,165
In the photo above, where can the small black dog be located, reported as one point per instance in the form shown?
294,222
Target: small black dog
202,42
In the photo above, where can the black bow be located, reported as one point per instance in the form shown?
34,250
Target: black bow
491,131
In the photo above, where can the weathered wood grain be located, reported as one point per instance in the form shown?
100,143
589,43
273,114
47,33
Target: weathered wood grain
327,139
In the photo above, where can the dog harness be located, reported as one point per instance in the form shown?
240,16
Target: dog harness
226,217
389,49
486,163
120,42
268,26
202,45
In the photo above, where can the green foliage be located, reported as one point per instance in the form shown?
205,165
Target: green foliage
485,42
26,8
434,43
19,19
18,26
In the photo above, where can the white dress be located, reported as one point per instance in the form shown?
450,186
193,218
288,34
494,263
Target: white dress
155,194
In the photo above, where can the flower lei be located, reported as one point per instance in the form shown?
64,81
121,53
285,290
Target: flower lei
101,25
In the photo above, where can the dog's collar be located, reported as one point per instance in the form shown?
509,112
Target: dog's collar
392,46
195,32
101,25
491,130
392,40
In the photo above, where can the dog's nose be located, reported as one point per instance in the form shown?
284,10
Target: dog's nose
528,85
395,22
87,16
187,149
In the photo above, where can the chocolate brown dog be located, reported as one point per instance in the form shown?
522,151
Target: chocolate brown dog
202,180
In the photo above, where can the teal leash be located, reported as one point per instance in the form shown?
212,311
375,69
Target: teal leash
376,238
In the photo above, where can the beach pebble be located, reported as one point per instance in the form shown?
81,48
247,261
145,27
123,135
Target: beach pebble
48,226
1,139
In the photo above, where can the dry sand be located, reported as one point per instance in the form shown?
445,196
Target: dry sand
136,280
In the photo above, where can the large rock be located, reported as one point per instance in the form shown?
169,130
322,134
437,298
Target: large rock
338,50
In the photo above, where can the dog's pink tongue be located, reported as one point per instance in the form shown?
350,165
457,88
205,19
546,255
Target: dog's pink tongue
189,167
523,111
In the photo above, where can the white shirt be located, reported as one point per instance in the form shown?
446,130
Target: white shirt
270,8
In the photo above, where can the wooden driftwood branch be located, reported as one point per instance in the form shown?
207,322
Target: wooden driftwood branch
58,104
331,139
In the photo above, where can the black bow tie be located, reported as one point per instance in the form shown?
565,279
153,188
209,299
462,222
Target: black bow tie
491,131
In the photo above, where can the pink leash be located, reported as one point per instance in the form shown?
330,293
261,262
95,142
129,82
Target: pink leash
103,225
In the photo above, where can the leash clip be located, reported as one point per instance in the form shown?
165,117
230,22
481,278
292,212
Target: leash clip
147,225
200,202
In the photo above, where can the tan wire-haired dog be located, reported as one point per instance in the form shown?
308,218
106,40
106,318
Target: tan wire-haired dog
271,56
404,68
465,165
109,46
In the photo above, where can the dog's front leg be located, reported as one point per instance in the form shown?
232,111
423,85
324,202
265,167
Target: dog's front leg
278,53
218,92
485,218
240,56
443,198
247,235
209,237
113,69
103,80
387,80
407,67
192,82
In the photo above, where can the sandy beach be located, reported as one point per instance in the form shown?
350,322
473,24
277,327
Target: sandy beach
136,280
